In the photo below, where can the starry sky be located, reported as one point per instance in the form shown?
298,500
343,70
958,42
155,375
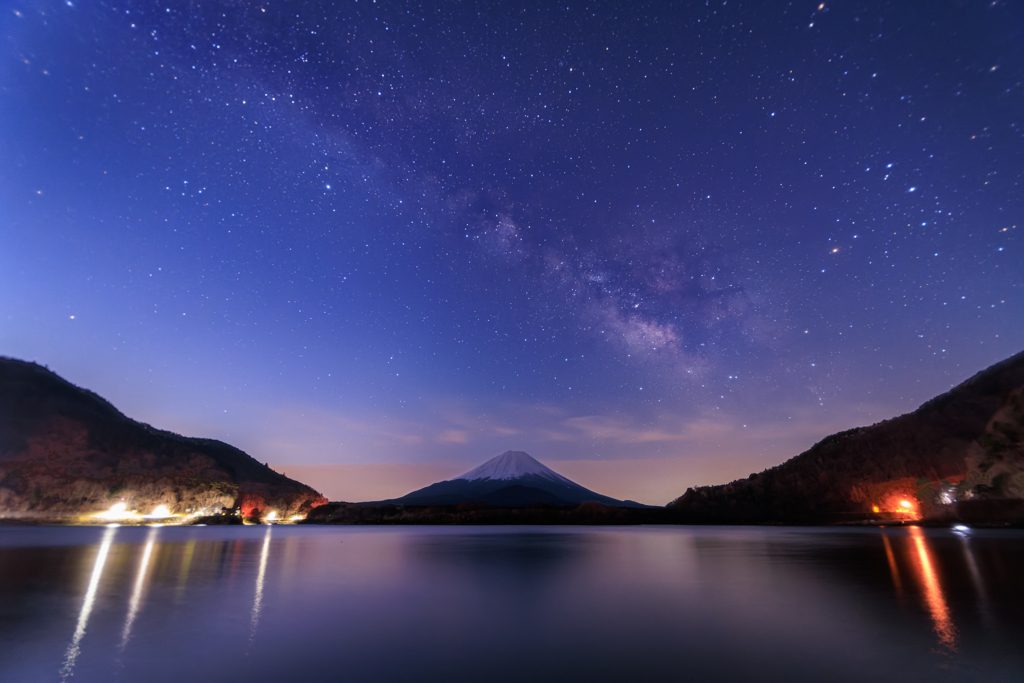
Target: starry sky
653,244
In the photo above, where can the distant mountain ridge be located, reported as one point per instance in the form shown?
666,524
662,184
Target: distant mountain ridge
66,451
959,456
512,479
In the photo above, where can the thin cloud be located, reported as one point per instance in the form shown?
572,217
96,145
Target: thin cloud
453,436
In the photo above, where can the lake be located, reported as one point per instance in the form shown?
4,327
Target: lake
290,603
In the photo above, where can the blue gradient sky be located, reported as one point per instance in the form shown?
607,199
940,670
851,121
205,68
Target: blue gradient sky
694,236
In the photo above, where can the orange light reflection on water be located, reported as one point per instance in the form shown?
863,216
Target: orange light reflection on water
893,569
934,597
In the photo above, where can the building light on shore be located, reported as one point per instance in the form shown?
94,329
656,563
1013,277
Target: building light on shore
908,508
159,512
117,511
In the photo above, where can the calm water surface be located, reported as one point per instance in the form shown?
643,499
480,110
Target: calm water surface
510,604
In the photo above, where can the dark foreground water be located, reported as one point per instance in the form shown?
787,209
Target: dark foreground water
282,604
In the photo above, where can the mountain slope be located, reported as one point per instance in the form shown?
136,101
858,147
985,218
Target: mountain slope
513,465
969,436
66,451
511,479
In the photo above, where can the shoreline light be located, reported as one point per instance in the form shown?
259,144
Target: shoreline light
159,512
117,511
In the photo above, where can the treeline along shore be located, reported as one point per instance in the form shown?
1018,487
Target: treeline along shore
67,455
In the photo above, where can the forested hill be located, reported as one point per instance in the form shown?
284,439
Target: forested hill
66,451
958,449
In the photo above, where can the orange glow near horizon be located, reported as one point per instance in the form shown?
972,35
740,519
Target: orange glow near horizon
934,597
903,507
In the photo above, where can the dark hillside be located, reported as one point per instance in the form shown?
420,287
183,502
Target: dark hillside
937,458
66,451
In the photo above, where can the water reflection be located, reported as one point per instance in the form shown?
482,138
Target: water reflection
257,603
539,553
90,597
894,571
976,578
186,564
140,582
511,604
933,591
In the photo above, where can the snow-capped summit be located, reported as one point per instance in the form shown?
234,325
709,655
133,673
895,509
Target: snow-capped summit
512,479
512,465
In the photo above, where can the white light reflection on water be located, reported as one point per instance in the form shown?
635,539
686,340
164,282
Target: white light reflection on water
510,604
140,582
984,608
90,597
257,603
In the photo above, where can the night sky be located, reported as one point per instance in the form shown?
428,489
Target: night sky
655,245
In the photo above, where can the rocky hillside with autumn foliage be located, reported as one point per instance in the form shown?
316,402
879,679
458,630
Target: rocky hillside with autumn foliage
66,452
958,456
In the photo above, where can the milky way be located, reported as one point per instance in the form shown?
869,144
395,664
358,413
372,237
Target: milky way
387,232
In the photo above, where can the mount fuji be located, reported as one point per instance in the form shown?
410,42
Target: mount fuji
512,479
